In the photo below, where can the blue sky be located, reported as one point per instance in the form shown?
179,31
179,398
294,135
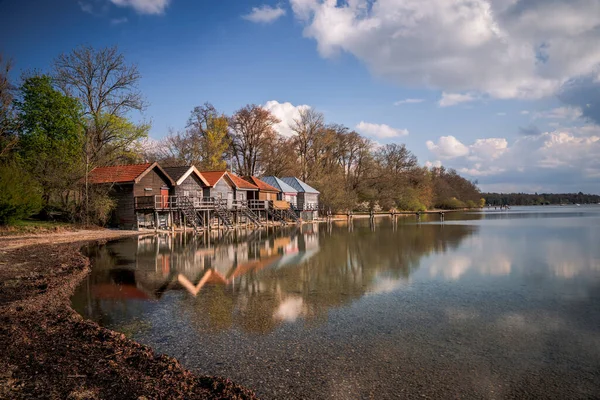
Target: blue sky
501,90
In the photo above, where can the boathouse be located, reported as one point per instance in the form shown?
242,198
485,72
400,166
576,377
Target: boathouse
307,200
286,192
220,186
188,182
265,191
136,188
244,190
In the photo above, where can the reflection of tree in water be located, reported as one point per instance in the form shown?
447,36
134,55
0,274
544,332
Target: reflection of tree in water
257,279
346,266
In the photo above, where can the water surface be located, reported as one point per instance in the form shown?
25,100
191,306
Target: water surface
489,304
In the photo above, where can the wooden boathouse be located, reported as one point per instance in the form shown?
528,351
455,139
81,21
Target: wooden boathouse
286,192
307,204
135,188
148,196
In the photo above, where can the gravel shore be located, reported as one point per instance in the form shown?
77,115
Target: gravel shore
47,350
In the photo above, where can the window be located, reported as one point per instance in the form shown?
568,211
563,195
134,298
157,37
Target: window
147,189
186,193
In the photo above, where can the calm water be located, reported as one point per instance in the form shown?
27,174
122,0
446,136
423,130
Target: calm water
490,305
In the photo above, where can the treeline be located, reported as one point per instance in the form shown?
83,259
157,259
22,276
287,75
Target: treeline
56,126
526,199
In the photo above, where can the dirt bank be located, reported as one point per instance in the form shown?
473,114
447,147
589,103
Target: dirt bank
47,350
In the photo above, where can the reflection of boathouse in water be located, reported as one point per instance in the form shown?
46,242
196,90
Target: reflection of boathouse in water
152,265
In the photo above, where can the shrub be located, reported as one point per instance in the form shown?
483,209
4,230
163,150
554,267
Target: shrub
20,194
411,204
451,204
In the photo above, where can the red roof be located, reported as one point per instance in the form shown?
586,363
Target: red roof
240,183
262,185
117,173
212,177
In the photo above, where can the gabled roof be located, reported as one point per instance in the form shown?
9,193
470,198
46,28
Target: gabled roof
240,183
299,185
131,173
180,174
262,185
279,184
212,177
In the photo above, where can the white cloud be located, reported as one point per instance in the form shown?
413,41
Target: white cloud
447,147
524,112
432,164
286,113
408,101
452,99
499,48
144,6
501,114
380,131
570,113
264,14
563,159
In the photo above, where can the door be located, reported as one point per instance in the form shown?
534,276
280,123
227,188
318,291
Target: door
164,198
229,200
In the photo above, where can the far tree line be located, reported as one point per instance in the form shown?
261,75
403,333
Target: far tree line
57,125
542,199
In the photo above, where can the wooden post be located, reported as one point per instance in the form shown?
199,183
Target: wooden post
156,221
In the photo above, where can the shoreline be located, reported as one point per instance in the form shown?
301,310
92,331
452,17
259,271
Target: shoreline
48,350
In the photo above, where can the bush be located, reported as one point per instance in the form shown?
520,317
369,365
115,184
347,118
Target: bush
471,204
20,194
411,204
451,204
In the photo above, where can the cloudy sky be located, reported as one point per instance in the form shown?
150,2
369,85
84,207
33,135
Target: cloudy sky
505,91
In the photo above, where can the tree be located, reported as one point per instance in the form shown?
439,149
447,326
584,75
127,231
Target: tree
203,144
106,87
50,136
20,195
252,135
8,121
307,127
215,143
281,159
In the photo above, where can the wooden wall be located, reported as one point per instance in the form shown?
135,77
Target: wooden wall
266,196
153,179
124,212
307,198
192,185
222,189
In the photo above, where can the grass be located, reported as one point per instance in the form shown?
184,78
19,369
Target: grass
34,226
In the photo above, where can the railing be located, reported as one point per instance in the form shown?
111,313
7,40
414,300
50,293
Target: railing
258,204
158,202
310,207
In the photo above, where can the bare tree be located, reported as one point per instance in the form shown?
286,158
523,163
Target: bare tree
281,159
307,127
106,87
252,134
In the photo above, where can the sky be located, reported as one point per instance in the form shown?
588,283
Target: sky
507,92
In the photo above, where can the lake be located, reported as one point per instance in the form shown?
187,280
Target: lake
490,304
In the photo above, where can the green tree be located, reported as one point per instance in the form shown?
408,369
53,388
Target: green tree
106,87
20,194
50,136
215,143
